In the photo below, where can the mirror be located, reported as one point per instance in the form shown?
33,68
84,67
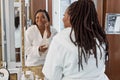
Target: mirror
29,16
11,10
14,8
13,48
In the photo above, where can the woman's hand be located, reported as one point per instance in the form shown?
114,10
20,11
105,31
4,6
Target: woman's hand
47,28
43,48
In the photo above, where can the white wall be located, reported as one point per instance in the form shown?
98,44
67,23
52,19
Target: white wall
56,14
59,7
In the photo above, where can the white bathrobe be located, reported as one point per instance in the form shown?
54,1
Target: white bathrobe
62,61
33,40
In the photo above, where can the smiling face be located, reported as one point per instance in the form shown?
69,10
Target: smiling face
66,19
40,19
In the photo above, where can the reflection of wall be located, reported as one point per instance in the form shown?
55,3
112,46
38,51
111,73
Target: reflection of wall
0,42
56,14
63,5
0,35
16,0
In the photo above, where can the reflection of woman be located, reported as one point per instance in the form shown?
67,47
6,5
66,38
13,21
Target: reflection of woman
81,54
17,38
37,39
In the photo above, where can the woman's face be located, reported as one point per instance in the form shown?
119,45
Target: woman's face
40,19
66,20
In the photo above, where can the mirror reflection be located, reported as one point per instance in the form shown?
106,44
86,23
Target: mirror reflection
37,38
30,8
17,34
16,55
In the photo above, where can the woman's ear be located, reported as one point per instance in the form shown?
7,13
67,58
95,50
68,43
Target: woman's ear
69,21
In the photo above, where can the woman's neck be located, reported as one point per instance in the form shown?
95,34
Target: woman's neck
41,29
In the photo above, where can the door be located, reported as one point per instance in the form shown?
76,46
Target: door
113,65
113,6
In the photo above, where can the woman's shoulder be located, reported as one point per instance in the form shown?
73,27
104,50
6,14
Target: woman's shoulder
63,35
63,38
64,32
31,28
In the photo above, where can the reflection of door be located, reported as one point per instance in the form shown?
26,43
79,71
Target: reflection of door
35,5
40,4
111,6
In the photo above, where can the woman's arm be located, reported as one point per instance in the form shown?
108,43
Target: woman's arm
53,66
30,49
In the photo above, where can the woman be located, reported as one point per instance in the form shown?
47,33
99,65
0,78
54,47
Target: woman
17,38
37,39
81,53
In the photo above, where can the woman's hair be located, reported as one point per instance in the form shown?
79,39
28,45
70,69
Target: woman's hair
17,22
45,12
87,29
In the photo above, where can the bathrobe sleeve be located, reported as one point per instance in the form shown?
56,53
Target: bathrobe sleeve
53,66
30,49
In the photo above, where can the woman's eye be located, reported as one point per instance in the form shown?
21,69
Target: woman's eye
37,17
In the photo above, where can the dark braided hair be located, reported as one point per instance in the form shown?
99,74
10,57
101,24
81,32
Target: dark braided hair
85,24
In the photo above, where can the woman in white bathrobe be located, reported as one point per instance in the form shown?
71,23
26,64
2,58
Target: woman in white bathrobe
79,51
37,39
